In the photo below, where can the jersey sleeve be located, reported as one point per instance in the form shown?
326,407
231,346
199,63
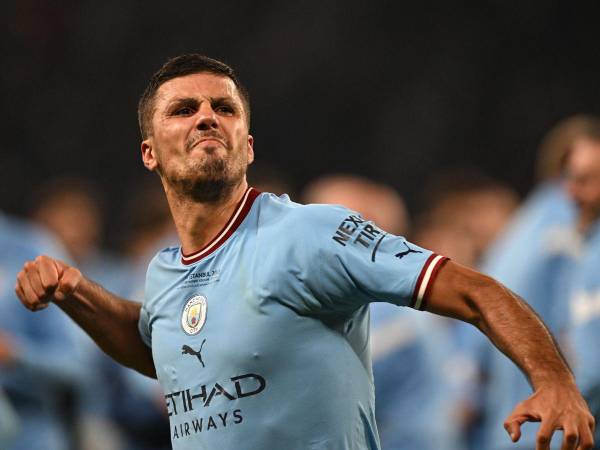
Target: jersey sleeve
350,262
145,321
144,326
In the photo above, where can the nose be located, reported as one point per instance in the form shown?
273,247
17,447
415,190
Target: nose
207,119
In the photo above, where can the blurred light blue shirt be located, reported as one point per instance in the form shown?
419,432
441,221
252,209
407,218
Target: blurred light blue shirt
416,393
49,361
535,258
585,315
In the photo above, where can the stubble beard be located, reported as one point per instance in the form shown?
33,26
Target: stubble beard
209,181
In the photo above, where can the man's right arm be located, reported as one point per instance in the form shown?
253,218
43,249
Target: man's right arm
110,321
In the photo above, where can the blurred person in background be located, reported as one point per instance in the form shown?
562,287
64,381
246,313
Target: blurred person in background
72,209
121,408
582,173
41,366
9,422
372,200
463,212
535,257
136,402
445,237
409,350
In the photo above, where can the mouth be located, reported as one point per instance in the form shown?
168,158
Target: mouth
213,140
208,141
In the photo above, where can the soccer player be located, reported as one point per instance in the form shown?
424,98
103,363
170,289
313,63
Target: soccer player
40,360
116,403
535,258
256,326
583,182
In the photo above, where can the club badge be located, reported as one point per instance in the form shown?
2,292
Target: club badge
194,315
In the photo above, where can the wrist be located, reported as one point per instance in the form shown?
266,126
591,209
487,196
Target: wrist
564,378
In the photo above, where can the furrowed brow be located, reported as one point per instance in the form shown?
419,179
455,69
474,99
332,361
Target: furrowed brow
182,101
220,100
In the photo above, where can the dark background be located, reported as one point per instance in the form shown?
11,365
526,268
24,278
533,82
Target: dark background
392,90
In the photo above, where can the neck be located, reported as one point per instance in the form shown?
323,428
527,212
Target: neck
198,223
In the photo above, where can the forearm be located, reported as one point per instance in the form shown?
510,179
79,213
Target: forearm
512,326
516,330
112,323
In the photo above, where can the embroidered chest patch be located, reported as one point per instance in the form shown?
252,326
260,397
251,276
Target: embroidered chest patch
194,315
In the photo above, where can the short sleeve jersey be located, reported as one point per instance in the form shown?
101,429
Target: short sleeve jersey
260,339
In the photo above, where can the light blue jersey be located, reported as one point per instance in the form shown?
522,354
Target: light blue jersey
260,339
9,423
585,324
48,361
416,399
534,258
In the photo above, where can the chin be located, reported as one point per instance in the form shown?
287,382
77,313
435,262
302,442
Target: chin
211,190
207,186
208,180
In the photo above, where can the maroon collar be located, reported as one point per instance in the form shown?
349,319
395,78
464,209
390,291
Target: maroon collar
239,214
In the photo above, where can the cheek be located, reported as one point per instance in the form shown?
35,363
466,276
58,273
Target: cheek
171,131
241,138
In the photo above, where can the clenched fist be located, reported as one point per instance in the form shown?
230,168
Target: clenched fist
46,280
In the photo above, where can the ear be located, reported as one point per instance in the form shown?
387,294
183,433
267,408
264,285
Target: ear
148,155
250,149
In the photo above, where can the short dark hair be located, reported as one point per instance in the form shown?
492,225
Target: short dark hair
180,66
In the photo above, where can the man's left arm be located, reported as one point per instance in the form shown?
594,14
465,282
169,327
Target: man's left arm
517,331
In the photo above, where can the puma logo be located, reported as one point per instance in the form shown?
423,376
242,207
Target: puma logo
406,252
187,350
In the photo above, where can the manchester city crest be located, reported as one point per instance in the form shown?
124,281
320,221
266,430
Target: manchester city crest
194,315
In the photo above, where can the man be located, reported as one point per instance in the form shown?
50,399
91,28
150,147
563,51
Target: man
117,404
256,327
534,257
374,201
465,205
136,402
40,360
583,184
462,213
